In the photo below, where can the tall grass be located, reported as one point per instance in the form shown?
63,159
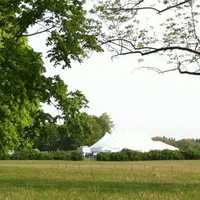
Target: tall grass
60,180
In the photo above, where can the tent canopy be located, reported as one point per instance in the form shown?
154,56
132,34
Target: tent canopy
116,142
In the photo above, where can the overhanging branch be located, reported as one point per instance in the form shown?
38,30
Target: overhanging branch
159,11
38,32
159,71
156,50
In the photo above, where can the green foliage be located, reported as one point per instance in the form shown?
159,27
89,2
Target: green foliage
25,155
103,156
191,154
51,155
164,155
76,155
124,155
119,156
134,155
129,155
70,136
23,86
97,126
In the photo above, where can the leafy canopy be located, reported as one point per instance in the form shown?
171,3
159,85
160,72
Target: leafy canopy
61,137
23,86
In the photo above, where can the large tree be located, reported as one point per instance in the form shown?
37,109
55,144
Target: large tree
166,28
23,86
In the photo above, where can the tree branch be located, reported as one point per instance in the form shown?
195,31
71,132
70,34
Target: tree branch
150,8
113,41
138,3
174,6
37,33
178,68
156,50
134,9
157,70
197,73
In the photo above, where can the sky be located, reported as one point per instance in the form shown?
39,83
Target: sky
138,101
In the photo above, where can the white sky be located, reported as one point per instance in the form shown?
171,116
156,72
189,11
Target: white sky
140,101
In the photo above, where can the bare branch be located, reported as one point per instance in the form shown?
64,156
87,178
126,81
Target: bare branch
197,73
138,3
38,32
156,50
126,41
135,8
119,45
157,70
174,6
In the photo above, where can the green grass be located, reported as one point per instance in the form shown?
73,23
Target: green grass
59,180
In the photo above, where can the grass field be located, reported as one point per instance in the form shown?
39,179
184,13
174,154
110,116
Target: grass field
59,180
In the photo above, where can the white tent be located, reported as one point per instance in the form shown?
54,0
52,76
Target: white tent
106,143
117,142
85,150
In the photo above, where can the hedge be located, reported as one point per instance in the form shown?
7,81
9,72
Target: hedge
39,155
124,155
129,155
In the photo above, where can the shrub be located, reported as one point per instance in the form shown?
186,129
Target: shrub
4,157
51,155
119,156
76,155
103,156
46,156
60,155
129,155
153,155
164,155
134,155
25,155
124,155
191,154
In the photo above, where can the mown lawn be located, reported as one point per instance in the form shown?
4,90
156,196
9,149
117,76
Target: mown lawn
57,180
